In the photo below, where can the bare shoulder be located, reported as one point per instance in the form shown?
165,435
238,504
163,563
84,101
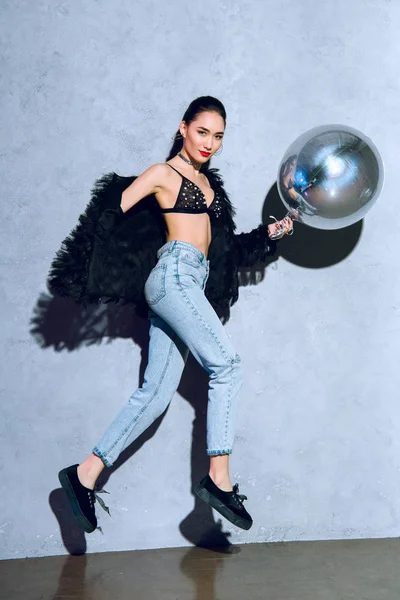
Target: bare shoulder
158,173
158,168
151,181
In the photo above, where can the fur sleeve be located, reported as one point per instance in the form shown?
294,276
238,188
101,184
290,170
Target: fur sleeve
254,247
69,268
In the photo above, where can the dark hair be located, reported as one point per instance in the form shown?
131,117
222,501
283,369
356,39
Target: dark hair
195,108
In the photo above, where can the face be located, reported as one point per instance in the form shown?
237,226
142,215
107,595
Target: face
203,137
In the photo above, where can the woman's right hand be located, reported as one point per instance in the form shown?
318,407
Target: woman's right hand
277,230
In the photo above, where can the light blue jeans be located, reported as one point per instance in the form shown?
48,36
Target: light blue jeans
182,319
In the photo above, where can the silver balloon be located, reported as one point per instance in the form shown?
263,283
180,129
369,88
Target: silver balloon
330,177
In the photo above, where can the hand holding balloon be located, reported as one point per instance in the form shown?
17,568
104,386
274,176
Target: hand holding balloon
277,230
330,177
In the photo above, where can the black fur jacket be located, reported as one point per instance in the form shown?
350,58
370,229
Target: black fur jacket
109,254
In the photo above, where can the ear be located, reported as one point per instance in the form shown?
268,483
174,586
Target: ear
183,128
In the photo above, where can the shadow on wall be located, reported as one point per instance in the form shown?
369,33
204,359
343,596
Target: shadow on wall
308,247
73,537
64,325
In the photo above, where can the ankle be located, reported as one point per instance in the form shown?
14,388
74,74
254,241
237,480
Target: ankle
89,471
85,477
221,480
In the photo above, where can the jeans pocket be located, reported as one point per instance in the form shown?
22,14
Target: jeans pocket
189,259
189,275
154,289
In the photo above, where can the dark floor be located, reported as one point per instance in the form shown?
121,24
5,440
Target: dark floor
335,570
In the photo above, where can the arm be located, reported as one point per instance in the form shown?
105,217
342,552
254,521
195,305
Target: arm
255,246
149,182
146,184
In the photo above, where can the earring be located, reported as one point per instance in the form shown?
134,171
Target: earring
219,151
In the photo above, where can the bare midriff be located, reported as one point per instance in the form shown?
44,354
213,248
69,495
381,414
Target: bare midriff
194,229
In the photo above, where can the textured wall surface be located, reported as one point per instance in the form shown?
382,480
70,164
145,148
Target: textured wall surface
89,87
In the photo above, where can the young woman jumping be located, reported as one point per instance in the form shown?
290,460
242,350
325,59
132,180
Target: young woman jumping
190,272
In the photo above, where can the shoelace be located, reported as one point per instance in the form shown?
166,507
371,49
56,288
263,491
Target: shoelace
238,498
94,495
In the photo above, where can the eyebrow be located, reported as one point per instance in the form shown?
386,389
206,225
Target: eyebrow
205,129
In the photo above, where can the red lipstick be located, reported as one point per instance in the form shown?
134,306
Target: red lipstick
205,154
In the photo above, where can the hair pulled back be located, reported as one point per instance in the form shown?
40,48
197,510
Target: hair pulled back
195,108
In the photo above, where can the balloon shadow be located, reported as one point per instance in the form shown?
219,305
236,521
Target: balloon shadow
309,247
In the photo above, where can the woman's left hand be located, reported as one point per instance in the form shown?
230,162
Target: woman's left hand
277,230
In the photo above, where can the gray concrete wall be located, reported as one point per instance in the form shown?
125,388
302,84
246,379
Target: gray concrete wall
93,86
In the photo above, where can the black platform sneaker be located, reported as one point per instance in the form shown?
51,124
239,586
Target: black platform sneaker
81,498
228,504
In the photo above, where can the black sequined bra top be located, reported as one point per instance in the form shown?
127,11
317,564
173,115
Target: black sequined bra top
191,199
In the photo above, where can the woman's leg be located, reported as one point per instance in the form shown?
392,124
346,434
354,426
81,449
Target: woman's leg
175,290
167,357
219,471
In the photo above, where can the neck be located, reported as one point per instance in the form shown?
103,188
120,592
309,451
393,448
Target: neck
188,160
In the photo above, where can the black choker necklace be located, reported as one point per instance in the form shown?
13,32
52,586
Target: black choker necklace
189,162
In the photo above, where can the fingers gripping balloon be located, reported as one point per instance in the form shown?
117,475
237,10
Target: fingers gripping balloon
330,177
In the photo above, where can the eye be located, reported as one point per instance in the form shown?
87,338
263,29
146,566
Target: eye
219,137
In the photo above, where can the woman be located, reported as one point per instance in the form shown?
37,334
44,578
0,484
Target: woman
184,315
